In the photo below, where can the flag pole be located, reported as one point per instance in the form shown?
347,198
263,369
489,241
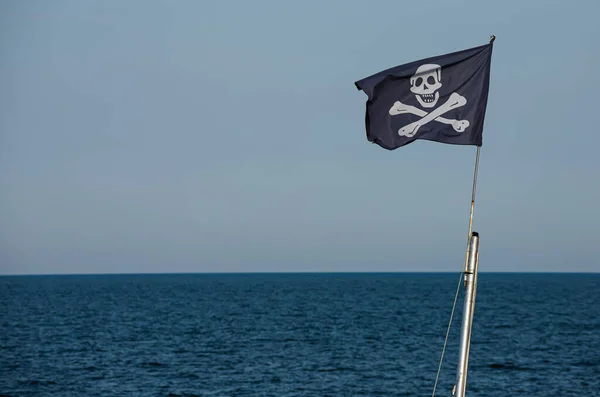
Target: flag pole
471,266
470,270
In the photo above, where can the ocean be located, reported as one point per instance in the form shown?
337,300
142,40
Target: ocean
295,335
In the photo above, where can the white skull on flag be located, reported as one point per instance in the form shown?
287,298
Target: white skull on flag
425,84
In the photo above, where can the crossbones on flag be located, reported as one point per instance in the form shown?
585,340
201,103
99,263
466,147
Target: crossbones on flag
441,99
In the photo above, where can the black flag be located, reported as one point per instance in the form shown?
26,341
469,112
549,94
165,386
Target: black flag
441,99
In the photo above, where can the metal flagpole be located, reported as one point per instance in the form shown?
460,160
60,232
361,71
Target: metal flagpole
470,276
470,270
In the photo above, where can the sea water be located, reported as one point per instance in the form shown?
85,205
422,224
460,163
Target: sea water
295,335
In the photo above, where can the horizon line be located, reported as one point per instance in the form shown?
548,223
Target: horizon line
288,273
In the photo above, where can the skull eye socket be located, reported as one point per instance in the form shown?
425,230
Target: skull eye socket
431,80
419,81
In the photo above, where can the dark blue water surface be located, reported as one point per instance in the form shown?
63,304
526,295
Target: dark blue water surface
295,335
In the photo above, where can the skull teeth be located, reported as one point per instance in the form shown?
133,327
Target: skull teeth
428,98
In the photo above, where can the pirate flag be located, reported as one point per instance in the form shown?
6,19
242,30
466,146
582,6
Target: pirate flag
440,99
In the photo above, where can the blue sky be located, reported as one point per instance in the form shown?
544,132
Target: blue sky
205,136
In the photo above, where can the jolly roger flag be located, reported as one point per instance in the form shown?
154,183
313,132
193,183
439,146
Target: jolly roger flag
441,99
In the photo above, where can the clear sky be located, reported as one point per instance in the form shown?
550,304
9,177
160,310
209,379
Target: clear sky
217,136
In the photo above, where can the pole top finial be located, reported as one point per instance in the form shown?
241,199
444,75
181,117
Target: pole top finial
492,38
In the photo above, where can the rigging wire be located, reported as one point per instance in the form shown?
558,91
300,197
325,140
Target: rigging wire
447,333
